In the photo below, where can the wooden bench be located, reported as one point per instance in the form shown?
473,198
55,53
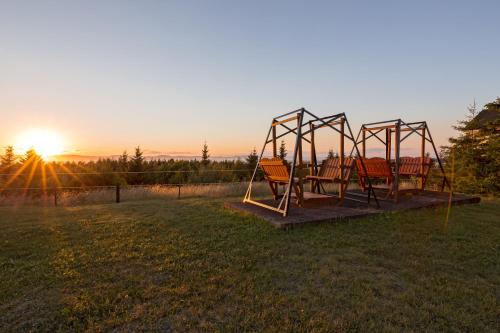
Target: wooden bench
376,168
330,172
276,172
415,167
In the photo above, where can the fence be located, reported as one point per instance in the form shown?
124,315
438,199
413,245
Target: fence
54,184
57,195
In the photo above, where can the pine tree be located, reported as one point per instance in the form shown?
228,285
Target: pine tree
123,161
32,166
282,151
475,153
136,164
331,154
252,159
31,156
137,160
8,159
204,154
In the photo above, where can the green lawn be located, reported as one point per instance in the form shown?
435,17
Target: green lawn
190,265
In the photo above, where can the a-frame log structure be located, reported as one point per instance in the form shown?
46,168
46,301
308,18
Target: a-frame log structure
302,124
392,133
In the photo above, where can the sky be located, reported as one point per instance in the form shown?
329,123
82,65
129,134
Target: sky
169,75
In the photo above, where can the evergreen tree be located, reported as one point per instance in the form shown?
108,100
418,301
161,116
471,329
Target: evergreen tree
7,163
252,159
475,153
31,156
32,168
282,150
331,154
8,159
123,161
204,154
137,162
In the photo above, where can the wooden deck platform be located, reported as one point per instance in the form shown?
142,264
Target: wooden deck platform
326,211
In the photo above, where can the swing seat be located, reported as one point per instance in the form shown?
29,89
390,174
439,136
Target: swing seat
276,172
411,167
330,172
376,168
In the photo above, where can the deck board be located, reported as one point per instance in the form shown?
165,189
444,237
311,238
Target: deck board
326,211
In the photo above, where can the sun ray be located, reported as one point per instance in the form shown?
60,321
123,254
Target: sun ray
71,174
5,168
54,175
27,184
44,178
14,176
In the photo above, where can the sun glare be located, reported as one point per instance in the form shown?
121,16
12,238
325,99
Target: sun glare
45,142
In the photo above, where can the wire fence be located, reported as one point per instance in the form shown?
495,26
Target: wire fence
73,195
101,173
57,194
54,193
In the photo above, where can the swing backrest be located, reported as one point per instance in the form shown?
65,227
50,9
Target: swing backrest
330,168
275,170
376,167
410,166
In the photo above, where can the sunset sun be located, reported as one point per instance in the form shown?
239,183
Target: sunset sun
45,142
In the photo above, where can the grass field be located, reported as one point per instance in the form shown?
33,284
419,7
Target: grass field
190,265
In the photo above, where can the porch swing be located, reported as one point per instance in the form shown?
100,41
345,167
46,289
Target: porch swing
278,172
393,170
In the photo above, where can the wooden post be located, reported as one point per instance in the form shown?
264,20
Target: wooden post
388,137
341,156
248,193
312,167
396,164
118,193
388,144
275,153
178,191
275,147
55,197
445,180
422,155
299,173
363,143
292,168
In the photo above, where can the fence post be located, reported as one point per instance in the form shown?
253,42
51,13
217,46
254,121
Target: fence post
118,193
178,191
55,197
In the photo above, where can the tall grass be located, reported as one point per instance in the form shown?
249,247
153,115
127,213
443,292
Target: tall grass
73,197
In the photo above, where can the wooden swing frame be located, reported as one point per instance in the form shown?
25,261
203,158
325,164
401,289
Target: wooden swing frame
398,127
304,131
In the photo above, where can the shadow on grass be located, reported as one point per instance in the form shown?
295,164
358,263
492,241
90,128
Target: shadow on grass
192,265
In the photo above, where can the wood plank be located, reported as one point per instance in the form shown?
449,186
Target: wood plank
285,120
332,123
378,128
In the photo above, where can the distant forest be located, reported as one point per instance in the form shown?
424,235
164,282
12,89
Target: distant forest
472,162
33,172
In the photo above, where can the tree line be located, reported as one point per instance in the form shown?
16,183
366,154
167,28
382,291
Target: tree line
30,170
471,160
